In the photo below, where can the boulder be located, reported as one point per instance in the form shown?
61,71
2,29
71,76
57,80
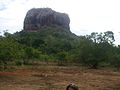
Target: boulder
36,18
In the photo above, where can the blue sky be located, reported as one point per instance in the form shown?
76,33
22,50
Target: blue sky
86,15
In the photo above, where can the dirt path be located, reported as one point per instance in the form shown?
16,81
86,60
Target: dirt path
57,78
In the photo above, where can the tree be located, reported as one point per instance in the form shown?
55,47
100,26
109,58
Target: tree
115,61
94,49
114,57
9,49
62,57
106,37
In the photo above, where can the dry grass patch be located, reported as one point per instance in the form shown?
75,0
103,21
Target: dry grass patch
57,78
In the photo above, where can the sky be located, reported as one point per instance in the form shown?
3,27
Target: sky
86,16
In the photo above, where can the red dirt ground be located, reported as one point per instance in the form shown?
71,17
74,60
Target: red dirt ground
57,78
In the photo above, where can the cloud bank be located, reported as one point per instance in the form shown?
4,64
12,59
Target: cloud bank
86,15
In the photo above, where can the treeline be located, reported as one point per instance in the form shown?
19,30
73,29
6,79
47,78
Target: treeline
56,44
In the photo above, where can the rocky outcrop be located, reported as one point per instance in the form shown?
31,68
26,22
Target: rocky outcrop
37,18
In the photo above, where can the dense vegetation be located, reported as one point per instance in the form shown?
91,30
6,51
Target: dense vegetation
57,44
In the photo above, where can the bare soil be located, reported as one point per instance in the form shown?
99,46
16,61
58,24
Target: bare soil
58,77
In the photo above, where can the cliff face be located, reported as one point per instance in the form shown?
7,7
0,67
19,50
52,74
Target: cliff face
37,18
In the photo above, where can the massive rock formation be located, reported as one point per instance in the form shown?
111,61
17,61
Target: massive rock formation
37,18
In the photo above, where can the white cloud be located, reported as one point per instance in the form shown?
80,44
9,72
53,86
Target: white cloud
86,15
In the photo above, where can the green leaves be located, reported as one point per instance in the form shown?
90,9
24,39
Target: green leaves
58,44
95,49
106,37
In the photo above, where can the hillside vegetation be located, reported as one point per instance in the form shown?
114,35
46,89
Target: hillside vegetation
59,45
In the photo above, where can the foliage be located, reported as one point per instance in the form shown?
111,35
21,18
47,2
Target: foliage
57,44
94,49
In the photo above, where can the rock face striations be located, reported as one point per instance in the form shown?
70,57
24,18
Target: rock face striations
37,18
